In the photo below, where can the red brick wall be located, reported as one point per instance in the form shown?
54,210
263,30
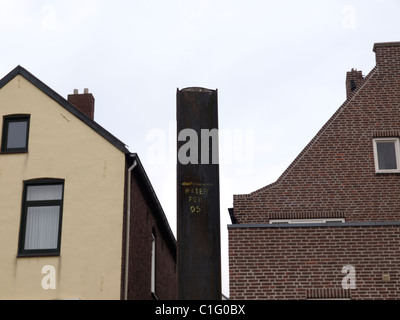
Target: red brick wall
143,223
307,262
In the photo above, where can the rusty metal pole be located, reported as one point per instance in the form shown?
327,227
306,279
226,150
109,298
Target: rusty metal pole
198,204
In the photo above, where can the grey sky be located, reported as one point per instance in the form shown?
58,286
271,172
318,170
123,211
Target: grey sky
279,67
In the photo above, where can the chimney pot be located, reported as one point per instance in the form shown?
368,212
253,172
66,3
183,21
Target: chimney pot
86,90
76,91
354,80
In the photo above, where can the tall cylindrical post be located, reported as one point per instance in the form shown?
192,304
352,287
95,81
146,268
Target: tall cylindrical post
198,204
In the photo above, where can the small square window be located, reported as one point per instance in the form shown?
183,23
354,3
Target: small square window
15,133
386,152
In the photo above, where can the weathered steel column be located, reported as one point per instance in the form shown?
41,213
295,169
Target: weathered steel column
198,206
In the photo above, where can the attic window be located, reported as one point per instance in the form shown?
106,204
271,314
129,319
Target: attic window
386,153
15,133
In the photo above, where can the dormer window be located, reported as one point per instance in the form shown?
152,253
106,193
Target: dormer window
386,152
15,133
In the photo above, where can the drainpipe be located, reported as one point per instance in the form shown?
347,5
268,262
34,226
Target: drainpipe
128,225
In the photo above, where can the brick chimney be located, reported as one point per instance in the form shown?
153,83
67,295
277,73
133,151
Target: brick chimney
83,102
354,79
387,55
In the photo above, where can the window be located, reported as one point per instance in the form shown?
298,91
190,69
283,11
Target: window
301,221
40,232
386,152
15,133
153,264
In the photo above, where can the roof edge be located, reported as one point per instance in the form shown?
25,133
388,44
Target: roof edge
315,138
19,70
308,225
160,214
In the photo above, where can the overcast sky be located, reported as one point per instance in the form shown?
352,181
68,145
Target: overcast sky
279,67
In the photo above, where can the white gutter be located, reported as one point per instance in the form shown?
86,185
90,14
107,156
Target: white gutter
128,225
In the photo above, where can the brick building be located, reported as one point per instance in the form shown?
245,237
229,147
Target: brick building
329,227
152,254
79,218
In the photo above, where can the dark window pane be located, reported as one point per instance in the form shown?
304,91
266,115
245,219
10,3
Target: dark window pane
386,155
17,134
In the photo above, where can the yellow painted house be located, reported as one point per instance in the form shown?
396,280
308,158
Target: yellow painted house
69,196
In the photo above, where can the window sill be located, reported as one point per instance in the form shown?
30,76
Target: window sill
385,173
14,152
38,255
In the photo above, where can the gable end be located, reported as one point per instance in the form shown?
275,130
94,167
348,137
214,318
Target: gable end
64,103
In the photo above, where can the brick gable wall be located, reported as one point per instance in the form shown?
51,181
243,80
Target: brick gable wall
336,171
333,177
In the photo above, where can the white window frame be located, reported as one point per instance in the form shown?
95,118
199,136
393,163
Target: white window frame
304,221
397,152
